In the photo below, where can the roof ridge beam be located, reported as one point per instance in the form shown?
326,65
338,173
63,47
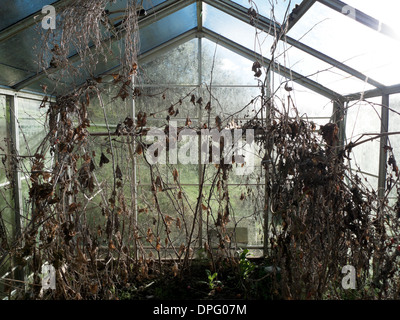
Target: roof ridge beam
266,25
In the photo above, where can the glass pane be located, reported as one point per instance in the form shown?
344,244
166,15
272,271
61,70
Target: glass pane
148,4
350,42
225,66
32,128
275,12
177,66
364,118
115,109
320,71
236,30
160,102
231,102
307,102
168,28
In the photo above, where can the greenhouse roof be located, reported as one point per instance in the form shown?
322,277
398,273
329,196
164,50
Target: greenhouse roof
339,50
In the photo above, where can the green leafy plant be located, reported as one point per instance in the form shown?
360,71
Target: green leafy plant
245,266
212,280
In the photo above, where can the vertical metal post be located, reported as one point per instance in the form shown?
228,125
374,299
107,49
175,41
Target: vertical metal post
383,144
132,111
16,175
381,180
200,115
267,159
14,135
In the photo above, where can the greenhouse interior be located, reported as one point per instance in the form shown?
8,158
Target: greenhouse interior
199,149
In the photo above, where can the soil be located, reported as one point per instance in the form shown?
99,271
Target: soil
228,284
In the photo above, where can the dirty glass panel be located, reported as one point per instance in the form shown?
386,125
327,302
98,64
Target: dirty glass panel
110,109
320,71
231,103
363,117
156,102
32,129
177,66
236,30
308,103
223,66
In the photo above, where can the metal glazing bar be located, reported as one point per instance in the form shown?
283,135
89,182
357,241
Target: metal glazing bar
383,144
373,93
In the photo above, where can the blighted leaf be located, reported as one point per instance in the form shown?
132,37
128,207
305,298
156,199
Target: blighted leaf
218,121
256,65
168,220
188,121
118,173
258,73
287,88
175,174
158,183
193,99
203,206
103,159
158,245
92,166
175,269
111,245
141,119
139,149
150,235
330,133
